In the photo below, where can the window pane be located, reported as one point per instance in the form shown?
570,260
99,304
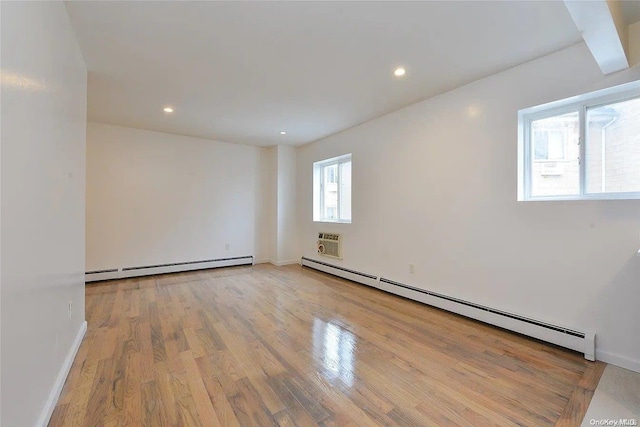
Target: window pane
555,169
613,148
556,141
332,189
331,173
541,145
345,191
330,192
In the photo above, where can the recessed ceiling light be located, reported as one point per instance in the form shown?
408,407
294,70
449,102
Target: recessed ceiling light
399,72
168,110
282,132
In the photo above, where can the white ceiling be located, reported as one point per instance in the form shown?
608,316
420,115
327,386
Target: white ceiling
243,71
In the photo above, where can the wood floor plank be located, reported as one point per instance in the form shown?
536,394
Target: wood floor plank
592,375
59,414
153,408
74,376
206,411
296,412
162,391
216,392
133,391
576,408
186,406
289,346
96,409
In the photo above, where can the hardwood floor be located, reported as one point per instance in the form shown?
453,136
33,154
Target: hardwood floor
290,346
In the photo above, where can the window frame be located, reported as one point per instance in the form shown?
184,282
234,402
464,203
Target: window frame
318,193
578,104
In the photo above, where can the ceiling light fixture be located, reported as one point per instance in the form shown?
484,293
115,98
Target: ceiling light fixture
282,132
168,110
399,72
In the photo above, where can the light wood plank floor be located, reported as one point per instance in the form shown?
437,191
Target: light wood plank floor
290,346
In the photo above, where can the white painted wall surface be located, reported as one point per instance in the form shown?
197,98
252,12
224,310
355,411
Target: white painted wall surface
1,84
278,199
266,246
156,198
434,185
286,213
43,122
269,166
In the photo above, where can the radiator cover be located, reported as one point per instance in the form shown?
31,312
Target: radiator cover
583,342
146,270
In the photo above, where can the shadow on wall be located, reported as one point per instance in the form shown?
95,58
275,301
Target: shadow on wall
624,310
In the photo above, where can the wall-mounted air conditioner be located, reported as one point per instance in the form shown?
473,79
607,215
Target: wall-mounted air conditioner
329,244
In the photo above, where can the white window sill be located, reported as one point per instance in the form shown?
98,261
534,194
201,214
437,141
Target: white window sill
606,196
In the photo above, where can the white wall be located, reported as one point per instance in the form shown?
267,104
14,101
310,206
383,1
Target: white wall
286,205
267,226
434,185
155,198
42,166
278,172
269,197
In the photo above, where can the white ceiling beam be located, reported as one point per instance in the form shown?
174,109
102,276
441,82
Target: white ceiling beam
603,30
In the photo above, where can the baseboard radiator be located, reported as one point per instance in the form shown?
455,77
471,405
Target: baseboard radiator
146,270
583,342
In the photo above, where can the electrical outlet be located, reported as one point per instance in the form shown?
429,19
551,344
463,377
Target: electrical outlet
412,269
227,246
70,309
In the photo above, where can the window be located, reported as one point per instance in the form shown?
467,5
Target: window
586,147
332,190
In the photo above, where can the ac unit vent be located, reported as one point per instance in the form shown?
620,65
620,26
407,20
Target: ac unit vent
330,245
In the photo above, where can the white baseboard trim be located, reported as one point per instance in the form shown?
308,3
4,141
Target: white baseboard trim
262,261
618,360
345,273
47,411
123,272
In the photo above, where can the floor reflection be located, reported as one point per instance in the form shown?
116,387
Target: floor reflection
335,347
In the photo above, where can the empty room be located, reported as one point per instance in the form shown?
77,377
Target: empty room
320,213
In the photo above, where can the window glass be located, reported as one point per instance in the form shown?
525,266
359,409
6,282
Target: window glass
345,191
613,148
584,147
555,169
332,189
